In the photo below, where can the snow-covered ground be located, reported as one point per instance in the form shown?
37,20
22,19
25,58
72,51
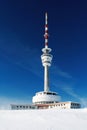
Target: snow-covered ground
52,119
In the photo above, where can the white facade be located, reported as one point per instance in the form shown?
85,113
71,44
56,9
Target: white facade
46,105
65,105
46,97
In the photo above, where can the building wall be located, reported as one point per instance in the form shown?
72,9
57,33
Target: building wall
60,105
66,105
22,107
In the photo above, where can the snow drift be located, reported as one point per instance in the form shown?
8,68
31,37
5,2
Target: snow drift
51,119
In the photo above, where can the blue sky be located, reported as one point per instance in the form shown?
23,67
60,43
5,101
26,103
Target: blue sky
21,41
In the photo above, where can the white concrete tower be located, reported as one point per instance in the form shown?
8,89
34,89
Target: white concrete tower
46,96
46,57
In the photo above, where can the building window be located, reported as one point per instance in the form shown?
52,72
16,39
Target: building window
26,106
23,106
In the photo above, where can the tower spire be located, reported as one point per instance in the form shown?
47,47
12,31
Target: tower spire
46,35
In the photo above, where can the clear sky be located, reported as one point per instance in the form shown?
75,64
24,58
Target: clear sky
21,41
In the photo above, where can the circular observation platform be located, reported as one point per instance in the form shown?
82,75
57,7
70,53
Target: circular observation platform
46,98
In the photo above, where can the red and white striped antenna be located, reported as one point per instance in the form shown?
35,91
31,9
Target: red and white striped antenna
46,35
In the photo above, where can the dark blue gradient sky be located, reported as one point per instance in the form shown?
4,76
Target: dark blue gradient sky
21,41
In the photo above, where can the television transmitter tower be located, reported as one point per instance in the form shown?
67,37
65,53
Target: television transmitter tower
46,96
46,57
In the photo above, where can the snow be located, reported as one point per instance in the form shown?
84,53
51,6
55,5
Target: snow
51,119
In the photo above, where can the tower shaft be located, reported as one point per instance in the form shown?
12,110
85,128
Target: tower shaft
46,78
